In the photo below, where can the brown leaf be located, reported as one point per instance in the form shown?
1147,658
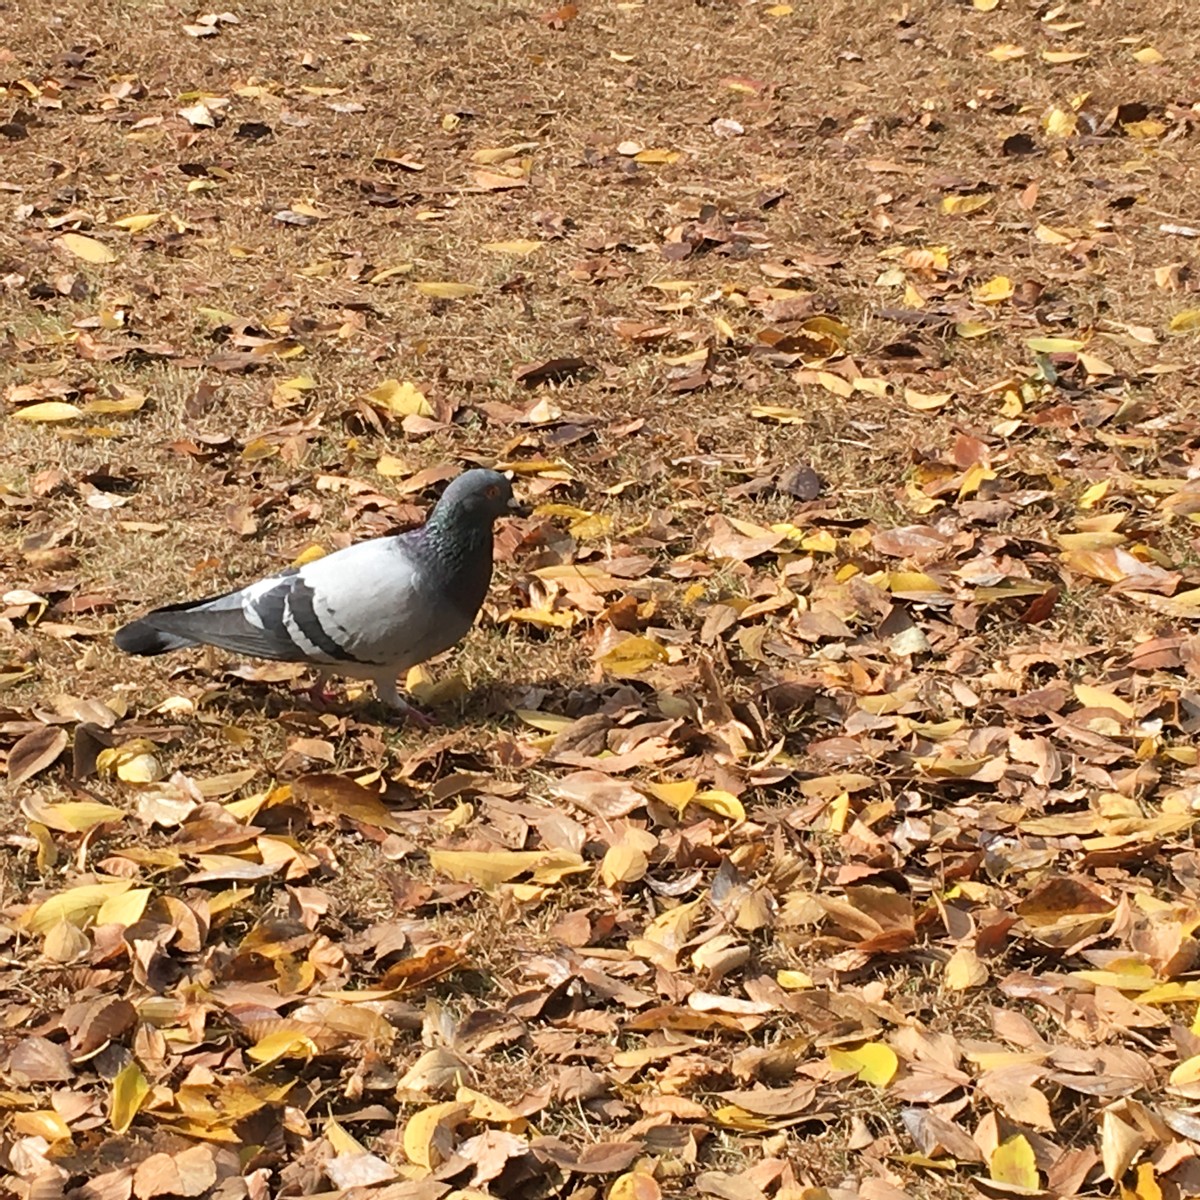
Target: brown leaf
103,1019
191,1172
724,541
599,1158
774,1102
38,1060
346,798
35,752
599,794
422,968
111,1185
551,370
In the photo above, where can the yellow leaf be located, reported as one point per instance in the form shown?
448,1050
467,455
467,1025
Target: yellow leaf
657,156
389,273
673,927
1172,993
76,905
125,909
489,868
973,329
640,1185
137,222
1059,57
592,526
926,402
546,722
1054,345
391,467
129,400
282,1043
836,384
1094,366
973,478
994,290
130,1088
962,206
733,1117
546,618
1148,56
873,387
87,248
45,1123
777,413
1187,321
1144,129
135,761
400,399
484,1108
1187,1073
674,795
964,970
875,1063
341,1140
446,291
794,981
1007,52
75,816
49,410
724,804
428,1136
521,246
492,156
913,583
287,390
1146,1187
633,656
1094,697
986,5
307,555
779,10
1099,539
1094,494
1051,237
1058,123
623,863
1013,1162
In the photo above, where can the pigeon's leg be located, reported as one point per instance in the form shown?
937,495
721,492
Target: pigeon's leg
320,694
389,694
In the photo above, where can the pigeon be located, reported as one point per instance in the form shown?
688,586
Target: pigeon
370,611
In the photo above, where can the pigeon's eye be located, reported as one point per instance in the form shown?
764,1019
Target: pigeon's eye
493,492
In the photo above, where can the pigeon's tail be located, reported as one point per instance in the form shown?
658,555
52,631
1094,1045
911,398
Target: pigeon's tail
145,638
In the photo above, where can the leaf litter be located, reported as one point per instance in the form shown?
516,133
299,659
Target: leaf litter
813,812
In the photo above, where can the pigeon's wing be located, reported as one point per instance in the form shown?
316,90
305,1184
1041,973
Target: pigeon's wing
373,602
337,609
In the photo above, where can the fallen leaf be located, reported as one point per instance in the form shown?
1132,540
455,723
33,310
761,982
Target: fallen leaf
87,248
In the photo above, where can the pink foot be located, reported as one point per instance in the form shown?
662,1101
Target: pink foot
321,697
410,715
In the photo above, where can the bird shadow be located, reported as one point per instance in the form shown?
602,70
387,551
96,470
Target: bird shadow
487,703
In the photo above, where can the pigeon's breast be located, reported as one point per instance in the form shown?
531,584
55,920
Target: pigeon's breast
384,608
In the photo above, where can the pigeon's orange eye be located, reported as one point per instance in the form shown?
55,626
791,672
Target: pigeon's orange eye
493,492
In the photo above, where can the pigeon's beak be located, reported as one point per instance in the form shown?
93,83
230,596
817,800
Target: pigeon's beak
517,508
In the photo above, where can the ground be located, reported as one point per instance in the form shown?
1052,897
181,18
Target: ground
813,805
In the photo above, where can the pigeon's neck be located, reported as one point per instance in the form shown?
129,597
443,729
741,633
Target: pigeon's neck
461,549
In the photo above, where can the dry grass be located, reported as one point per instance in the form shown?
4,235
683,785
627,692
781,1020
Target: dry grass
863,117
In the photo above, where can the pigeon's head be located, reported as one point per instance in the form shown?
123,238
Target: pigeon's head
480,496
